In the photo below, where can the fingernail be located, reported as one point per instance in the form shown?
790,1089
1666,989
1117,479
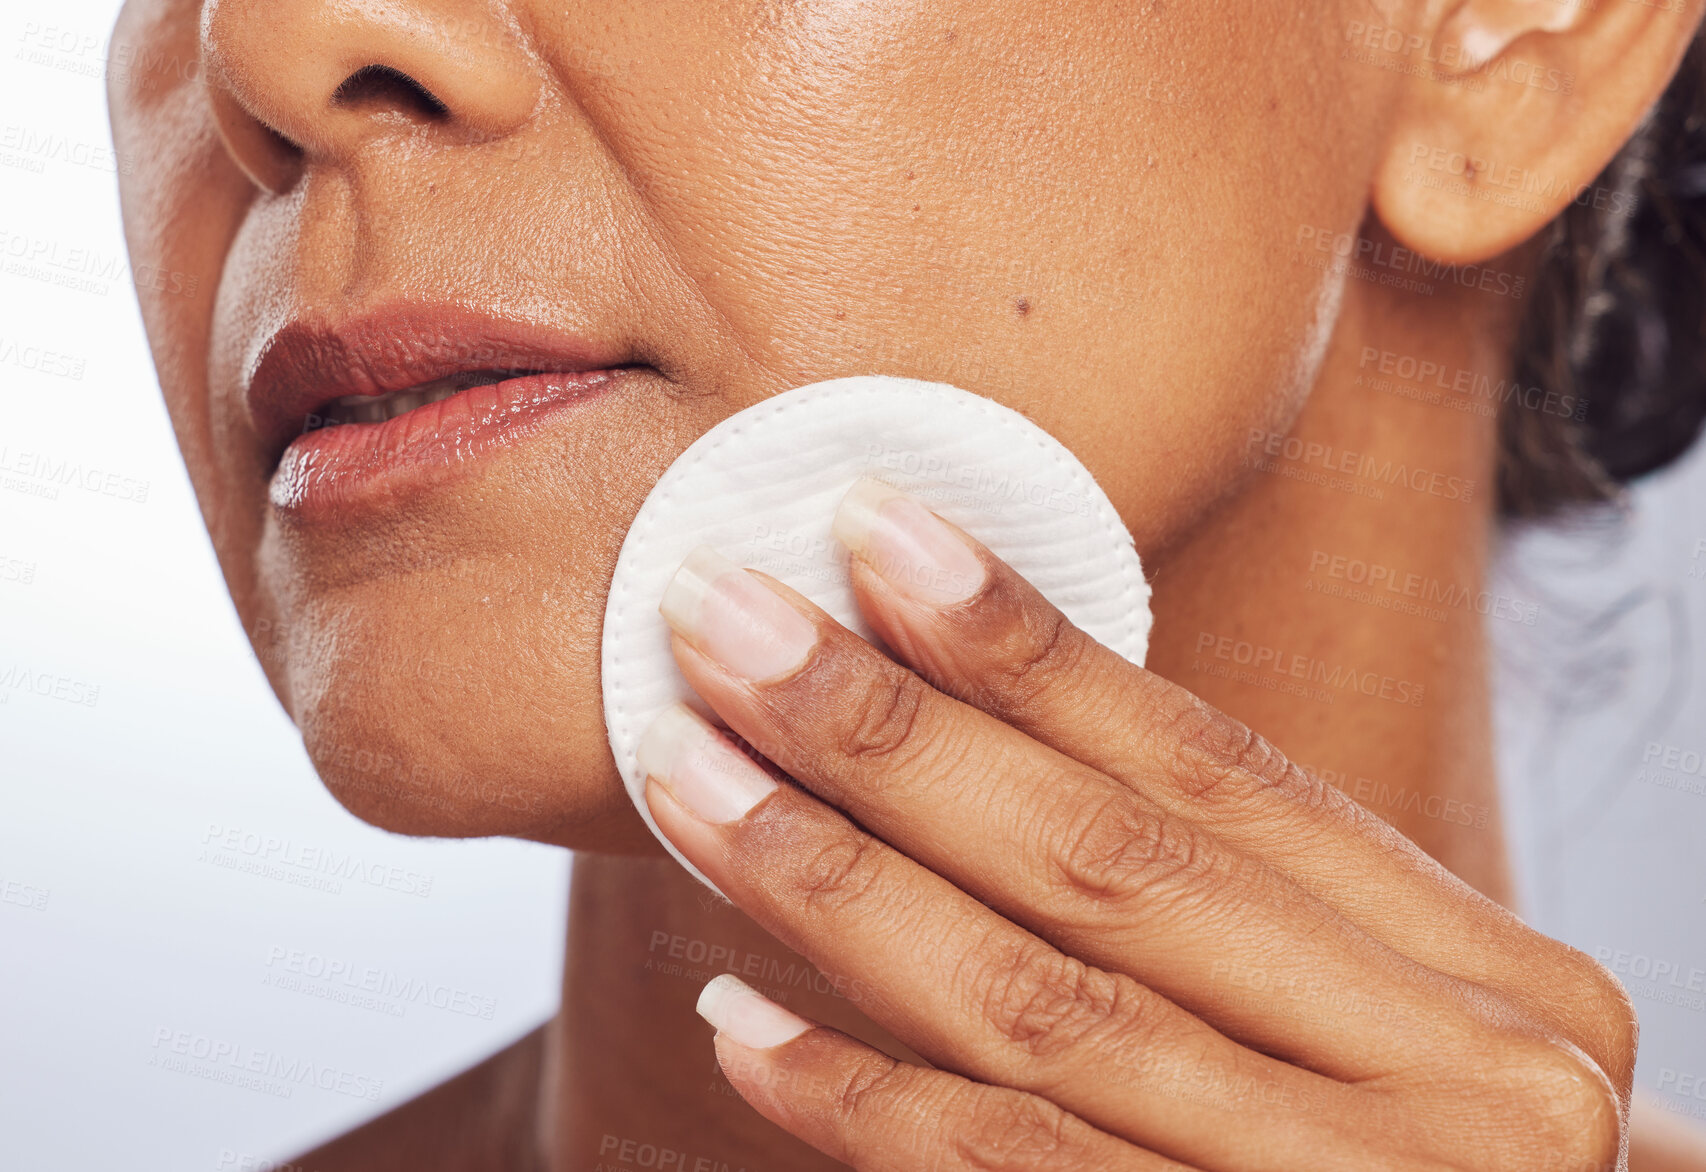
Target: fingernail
700,768
748,1016
911,547
734,618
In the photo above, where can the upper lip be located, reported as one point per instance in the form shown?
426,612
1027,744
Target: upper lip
304,365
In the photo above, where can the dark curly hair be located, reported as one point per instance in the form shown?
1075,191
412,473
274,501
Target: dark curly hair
1618,320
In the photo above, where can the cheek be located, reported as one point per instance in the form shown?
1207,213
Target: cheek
1022,206
183,203
1091,228
1166,424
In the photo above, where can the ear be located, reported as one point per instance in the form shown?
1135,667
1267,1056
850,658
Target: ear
1510,110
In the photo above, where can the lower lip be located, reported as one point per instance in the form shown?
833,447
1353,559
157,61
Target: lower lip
348,465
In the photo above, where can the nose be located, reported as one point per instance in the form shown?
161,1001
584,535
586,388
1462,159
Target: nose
298,82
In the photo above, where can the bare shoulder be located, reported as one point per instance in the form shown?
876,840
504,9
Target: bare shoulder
484,1118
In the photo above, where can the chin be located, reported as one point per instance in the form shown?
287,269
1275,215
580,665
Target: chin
439,650
437,708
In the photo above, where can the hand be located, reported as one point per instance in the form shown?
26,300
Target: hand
1125,932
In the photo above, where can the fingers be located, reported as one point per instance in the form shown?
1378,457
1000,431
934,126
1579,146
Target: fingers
861,1107
1063,764
973,992
1005,649
1090,865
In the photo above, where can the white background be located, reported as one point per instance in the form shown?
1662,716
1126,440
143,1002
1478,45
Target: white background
112,815
127,933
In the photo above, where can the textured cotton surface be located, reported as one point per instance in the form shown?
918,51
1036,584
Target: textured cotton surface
762,486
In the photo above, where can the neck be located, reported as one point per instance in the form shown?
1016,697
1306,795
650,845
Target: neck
1334,605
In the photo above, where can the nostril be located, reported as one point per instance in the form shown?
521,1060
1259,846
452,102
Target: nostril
381,85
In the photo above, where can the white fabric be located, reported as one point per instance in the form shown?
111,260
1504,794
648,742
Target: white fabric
762,486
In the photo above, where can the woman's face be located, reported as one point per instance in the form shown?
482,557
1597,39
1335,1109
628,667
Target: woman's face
1091,212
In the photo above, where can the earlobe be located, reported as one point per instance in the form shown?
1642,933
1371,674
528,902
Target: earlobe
1511,112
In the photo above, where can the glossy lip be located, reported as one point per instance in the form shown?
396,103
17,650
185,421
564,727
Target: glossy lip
303,367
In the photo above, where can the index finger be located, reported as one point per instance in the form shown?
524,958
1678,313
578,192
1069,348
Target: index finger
1059,848
1011,653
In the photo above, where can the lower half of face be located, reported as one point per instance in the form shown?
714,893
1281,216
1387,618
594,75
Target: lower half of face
1093,217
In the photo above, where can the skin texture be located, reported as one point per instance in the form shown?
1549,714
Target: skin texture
737,205
1107,216
1066,893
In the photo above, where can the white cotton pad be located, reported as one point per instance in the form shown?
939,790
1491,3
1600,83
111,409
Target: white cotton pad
762,486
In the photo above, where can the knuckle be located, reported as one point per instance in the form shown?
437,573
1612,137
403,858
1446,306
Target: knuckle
873,1100
1040,649
1584,1110
1217,761
1119,853
872,1093
1217,757
844,872
1569,1109
1045,1003
955,1124
882,723
1008,1130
